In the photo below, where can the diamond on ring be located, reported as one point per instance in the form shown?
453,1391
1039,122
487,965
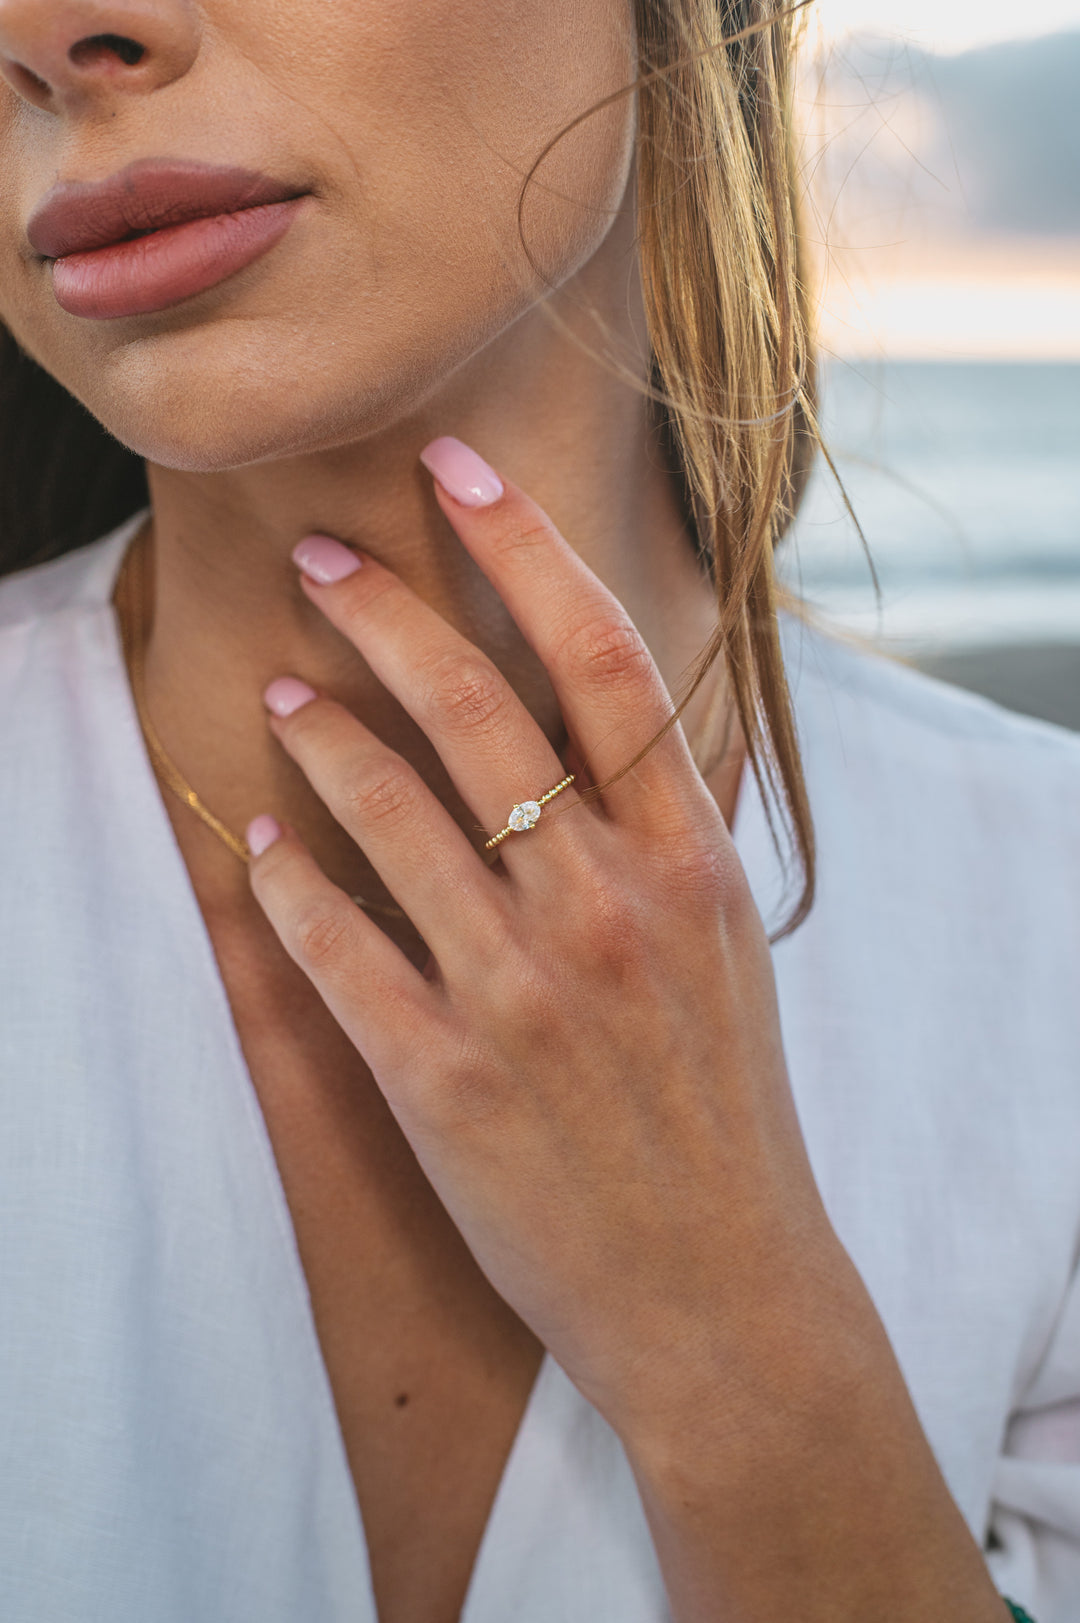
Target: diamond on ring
524,816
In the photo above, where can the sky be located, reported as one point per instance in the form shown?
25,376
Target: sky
948,25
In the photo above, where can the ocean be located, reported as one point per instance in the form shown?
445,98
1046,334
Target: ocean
965,477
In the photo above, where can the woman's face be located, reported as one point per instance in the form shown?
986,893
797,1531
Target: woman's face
382,250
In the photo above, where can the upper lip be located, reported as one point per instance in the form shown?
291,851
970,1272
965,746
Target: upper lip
151,193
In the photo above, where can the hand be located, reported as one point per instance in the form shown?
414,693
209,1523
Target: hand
590,1069
591,1075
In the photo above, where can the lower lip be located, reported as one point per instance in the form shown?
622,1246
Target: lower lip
151,273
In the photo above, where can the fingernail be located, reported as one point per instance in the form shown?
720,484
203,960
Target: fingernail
324,559
286,694
462,473
262,832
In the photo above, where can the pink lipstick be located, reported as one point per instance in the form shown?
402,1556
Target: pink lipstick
156,233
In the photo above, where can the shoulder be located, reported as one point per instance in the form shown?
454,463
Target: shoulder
82,579
879,710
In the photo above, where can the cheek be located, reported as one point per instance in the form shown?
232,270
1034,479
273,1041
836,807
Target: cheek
420,121
443,108
548,63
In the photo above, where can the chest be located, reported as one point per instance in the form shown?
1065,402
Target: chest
430,1370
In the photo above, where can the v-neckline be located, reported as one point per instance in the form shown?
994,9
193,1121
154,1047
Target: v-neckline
527,1451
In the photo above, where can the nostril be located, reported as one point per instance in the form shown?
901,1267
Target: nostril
92,51
28,84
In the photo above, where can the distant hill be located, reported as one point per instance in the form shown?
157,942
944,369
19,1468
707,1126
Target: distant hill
991,134
1013,112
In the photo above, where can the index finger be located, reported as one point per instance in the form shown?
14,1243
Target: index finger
611,694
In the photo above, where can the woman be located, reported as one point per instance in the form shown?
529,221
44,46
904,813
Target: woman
484,1249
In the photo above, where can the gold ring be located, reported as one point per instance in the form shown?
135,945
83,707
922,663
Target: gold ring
525,816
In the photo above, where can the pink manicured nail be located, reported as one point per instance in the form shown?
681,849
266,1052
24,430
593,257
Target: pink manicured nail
462,473
324,559
261,832
286,694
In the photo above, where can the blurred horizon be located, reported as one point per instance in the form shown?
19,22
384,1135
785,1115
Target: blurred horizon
940,156
964,479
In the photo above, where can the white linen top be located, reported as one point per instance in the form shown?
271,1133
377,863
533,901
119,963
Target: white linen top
169,1444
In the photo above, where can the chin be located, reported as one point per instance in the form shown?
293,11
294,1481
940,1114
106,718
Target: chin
249,387
225,395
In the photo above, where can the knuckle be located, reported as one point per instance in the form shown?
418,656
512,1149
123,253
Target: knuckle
474,1080
606,650
705,881
699,874
537,994
468,1088
466,692
382,792
321,936
613,924
366,597
368,592
522,532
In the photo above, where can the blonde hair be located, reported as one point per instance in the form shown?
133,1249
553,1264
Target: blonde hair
727,306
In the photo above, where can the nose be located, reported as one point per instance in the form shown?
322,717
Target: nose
63,54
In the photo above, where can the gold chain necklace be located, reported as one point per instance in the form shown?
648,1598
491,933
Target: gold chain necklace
133,612
131,599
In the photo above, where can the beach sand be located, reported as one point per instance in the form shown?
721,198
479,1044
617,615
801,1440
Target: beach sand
1039,679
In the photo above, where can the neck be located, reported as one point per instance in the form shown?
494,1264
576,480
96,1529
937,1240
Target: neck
229,615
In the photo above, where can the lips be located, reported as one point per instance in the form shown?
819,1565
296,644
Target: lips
156,233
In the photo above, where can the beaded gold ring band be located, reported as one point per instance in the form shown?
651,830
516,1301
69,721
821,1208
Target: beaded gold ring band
525,816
